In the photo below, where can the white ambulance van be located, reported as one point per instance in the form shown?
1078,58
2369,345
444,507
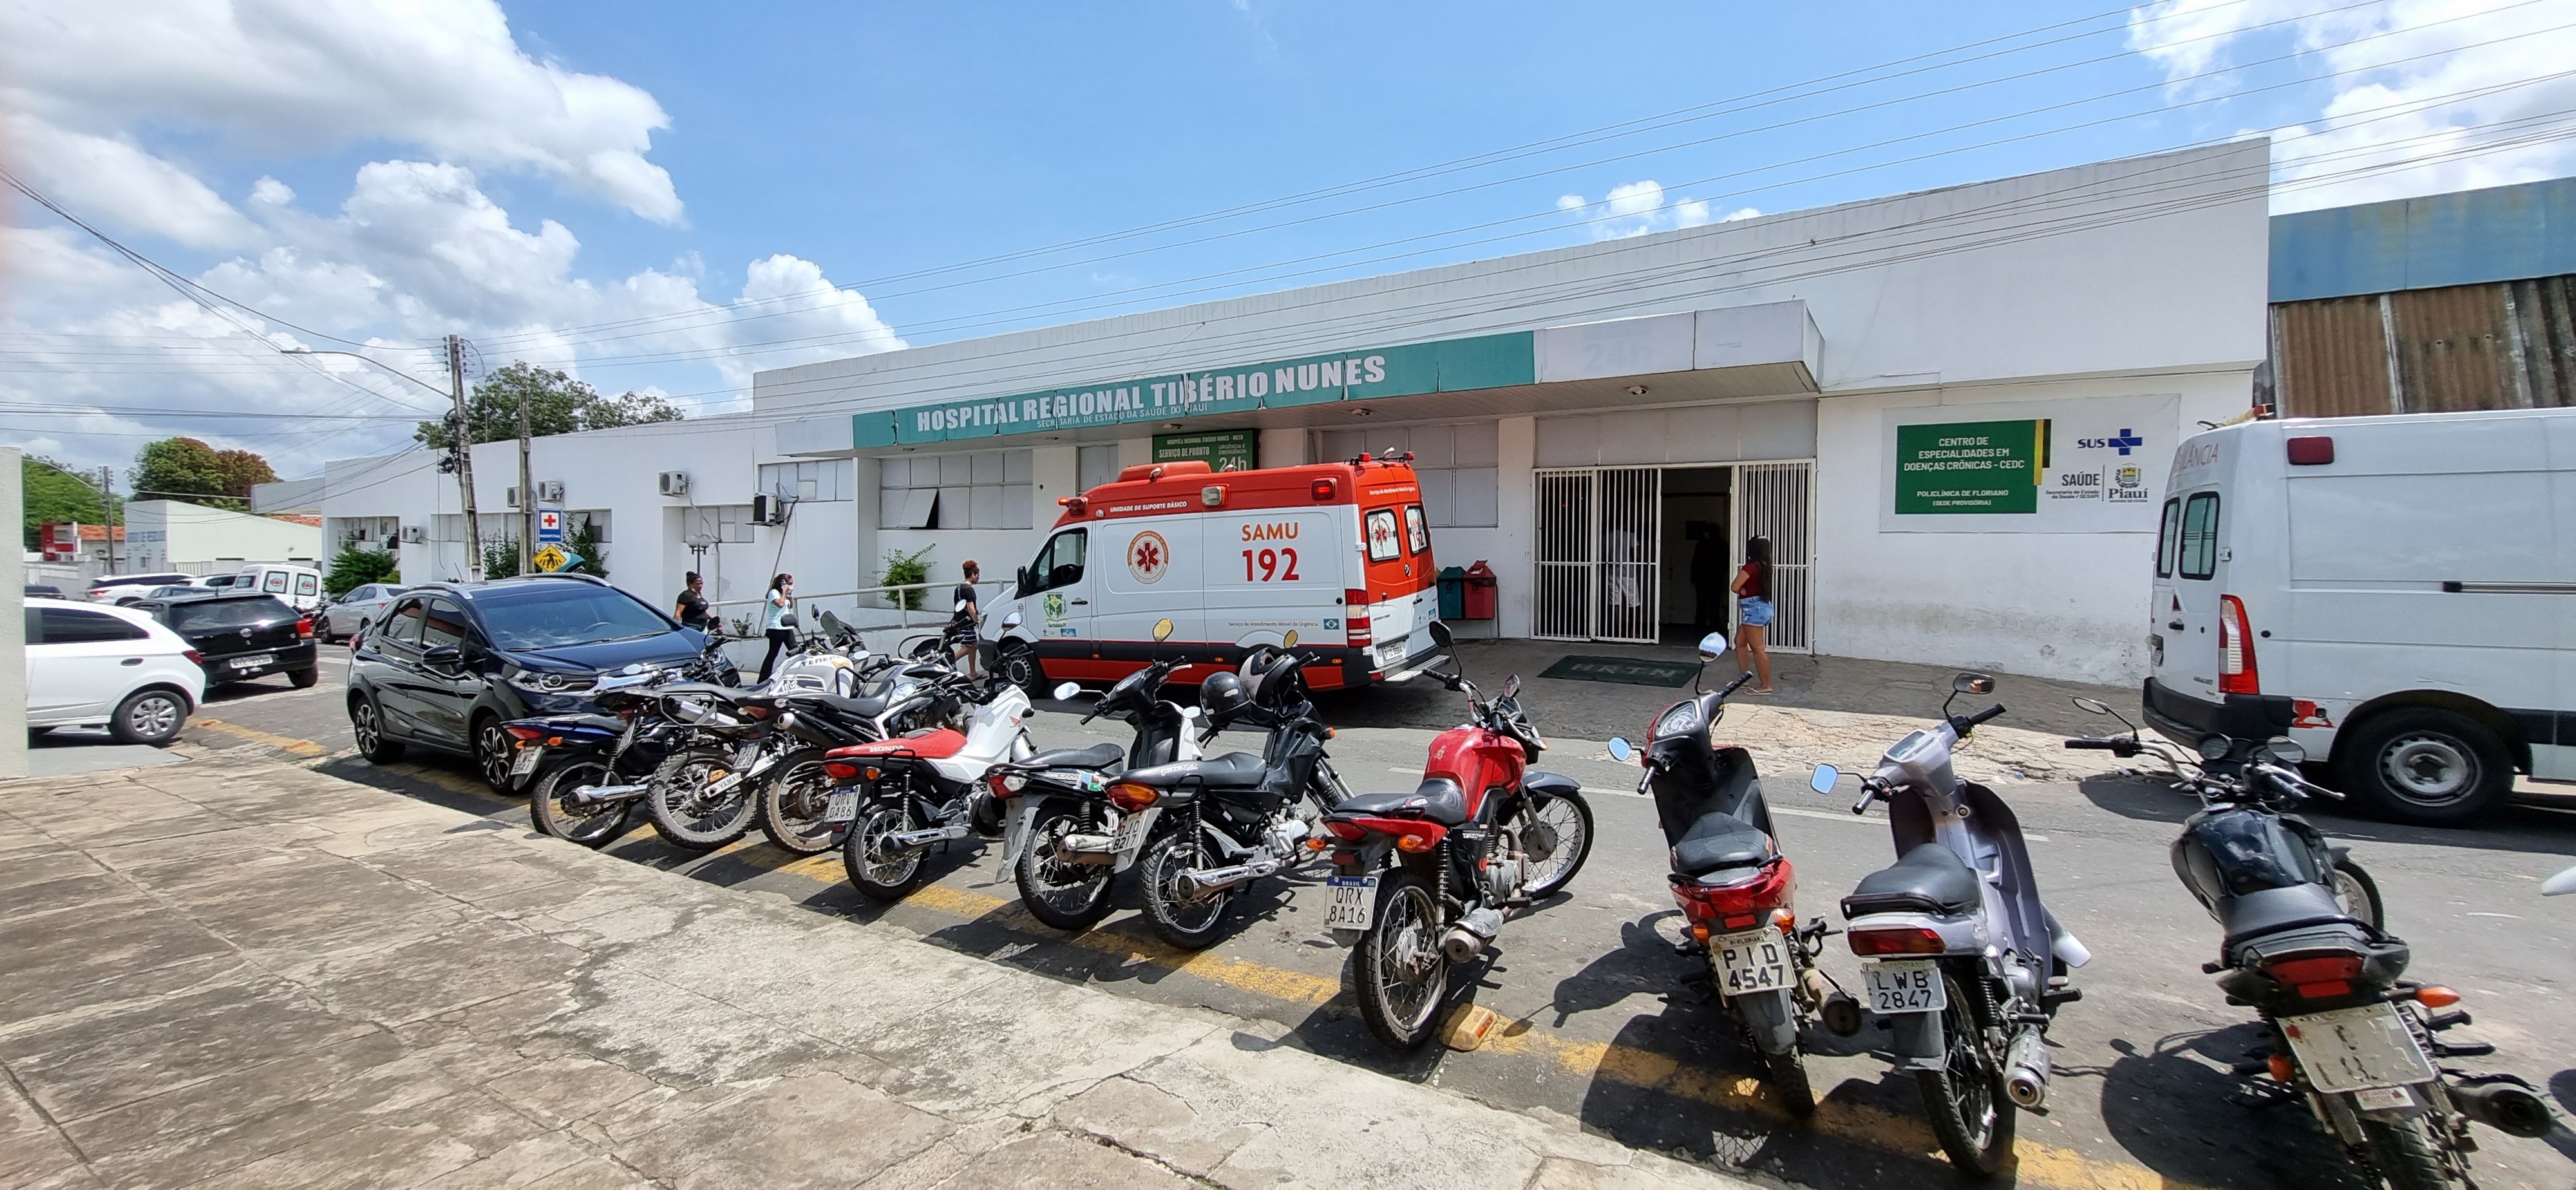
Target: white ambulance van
1338,553
2397,594
299,587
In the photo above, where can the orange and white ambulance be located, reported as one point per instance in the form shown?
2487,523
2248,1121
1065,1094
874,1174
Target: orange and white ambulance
1338,553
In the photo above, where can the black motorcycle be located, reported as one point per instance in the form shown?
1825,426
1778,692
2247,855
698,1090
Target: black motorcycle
2305,944
585,773
1734,886
1230,820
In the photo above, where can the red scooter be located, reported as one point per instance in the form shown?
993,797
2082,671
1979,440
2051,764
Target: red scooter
1422,880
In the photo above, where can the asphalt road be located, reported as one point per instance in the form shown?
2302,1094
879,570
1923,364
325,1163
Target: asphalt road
1605,1025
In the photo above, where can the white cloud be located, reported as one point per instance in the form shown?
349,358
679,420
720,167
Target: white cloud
1638,208
300,76
113,179
2389,128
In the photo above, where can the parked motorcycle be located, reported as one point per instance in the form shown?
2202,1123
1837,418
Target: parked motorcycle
2306,946
808,725
1070,830
1966,963
891,799
1233,819
1733,885
585,773
1422,879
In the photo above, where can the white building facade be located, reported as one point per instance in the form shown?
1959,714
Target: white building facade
1950,412
196,539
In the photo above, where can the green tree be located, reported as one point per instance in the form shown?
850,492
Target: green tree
500,557
902,569
242,470
582,538
181,468
557,404
355,566
57,493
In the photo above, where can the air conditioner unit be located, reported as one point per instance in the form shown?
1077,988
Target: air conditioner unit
415,534
510,497
768,509
675,483
549,491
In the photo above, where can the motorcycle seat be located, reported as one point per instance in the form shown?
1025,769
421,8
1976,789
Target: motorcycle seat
2267,911
929,744
1437,799
862,707
1234,770
1097,756
1720,840
1928,879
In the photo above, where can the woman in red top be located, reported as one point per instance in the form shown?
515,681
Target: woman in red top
1753,610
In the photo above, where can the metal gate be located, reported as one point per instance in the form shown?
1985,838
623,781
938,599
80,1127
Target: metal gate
1776,501
1599,551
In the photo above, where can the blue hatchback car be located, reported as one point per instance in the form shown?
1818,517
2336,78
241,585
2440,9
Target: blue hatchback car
451,662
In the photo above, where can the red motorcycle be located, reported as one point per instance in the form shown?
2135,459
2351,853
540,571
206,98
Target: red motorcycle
1422,880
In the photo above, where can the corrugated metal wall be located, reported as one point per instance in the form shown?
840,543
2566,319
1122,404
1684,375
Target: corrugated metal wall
2500,345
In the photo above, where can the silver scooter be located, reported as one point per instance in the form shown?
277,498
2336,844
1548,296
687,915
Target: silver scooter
1965,963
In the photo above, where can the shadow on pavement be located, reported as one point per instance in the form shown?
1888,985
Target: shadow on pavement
2512,827
2177,1110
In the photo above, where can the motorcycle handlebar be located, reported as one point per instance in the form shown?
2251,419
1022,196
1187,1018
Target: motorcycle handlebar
2114,745
1981,716
1740,679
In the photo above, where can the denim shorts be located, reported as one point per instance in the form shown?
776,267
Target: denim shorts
1753,613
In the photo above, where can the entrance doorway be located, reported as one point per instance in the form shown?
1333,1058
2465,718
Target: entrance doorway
1604,536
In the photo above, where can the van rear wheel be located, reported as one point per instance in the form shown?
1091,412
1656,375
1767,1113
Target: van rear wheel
2426,766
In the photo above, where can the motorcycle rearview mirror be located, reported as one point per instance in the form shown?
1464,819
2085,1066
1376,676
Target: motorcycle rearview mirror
2285,750
1440,634
2215,746
2559,885
2093,706
1162,630
1712,646
1621,750
1011,621
1289,641
1066,691
1825,778
1972,684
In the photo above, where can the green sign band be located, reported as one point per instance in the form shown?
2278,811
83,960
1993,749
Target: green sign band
1453,365
1221,450
1970,467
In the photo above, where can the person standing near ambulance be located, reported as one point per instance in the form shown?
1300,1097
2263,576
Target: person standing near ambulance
963,642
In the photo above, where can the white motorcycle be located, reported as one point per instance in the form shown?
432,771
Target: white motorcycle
893,798
1965,963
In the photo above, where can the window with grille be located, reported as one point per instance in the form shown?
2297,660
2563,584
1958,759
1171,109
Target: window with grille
721,523
985,490
819,479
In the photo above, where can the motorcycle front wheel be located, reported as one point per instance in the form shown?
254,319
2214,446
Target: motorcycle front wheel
1965,1098
2357,893
552,812
1567,819
792,805
1183,922
685,815
1402,976
1065,896
884,873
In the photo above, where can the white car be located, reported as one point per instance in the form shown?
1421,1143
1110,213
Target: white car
121,589
350,614
112,667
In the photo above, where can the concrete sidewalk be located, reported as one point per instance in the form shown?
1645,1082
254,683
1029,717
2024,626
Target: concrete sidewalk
247,974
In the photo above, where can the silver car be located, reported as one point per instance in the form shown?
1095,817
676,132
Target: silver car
350,614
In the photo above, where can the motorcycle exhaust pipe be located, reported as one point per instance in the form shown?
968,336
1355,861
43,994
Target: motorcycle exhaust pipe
592,795
1473,933
2026,1070
910,840
1086,849
2507,1107
1200,882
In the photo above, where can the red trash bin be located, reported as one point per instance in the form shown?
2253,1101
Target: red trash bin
1480,591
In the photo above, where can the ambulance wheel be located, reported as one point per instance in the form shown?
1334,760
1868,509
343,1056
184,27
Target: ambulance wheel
2425,766
1018,665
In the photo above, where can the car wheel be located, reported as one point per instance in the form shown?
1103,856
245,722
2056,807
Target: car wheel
367,727
493,752
1019,666
2426,766
304,679
149,717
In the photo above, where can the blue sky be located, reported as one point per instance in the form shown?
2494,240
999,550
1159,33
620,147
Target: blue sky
527,173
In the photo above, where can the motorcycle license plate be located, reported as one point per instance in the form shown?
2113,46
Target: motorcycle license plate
1905,985
1131,833
1354,902
1755,961
844,805
526,761
2356,1049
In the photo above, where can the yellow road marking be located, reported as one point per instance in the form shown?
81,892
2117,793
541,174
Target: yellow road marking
256,736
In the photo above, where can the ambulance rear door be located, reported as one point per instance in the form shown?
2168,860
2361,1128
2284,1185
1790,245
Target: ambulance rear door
1273,571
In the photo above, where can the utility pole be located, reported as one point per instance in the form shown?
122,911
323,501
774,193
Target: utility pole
465,459
527,494
107,508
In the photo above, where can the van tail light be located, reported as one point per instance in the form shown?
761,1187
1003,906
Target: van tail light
1899,940
1741,905
2317,977
1355,616
2236,671
1321,490
304,628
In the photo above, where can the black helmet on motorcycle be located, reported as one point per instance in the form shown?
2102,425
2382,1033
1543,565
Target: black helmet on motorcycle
1222,695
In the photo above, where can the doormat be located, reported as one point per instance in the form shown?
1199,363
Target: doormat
1633,671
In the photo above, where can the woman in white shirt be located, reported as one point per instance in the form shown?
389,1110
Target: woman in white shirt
778,620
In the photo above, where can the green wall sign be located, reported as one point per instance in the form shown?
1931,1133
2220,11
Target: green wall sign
1451,365
1239,450
1970,467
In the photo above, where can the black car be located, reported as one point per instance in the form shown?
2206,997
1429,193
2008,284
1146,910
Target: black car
43,591
240,636
451,662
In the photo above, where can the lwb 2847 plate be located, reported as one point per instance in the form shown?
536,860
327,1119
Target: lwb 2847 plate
1905,985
